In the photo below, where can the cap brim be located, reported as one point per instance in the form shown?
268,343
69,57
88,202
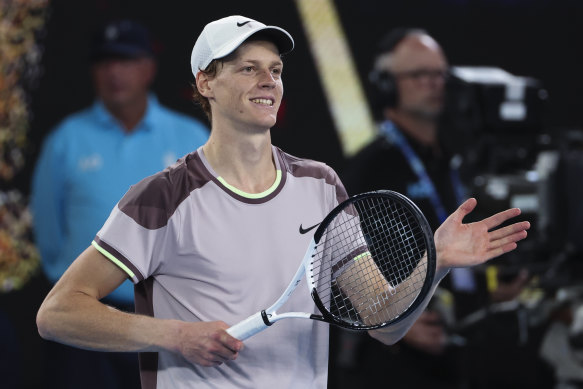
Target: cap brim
119,50
282,39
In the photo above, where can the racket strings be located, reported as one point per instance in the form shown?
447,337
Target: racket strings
368,268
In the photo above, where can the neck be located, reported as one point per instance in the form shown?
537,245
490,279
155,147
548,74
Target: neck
129,115
422,130
245,162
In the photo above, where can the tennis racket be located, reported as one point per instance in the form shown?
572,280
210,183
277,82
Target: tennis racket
370,263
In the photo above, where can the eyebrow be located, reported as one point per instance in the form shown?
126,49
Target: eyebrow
258,62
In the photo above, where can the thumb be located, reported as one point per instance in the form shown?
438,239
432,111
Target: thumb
463,210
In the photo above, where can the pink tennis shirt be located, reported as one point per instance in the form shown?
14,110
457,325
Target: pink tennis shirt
198,249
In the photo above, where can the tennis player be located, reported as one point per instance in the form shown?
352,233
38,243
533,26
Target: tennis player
218,235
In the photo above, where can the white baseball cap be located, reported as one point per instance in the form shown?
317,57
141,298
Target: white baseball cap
221,37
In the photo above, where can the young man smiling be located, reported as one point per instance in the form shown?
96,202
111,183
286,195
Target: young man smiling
215,238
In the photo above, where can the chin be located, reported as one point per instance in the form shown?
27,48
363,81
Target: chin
434,110
268,122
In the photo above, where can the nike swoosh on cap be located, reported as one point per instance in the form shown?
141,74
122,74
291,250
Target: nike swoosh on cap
242,24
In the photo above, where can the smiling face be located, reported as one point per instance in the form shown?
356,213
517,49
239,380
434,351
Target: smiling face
247,89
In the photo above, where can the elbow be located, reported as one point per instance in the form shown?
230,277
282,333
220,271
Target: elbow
384,336
43,323
388,335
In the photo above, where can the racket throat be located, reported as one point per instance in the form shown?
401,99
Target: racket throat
265,318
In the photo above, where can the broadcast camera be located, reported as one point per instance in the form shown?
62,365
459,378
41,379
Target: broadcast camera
511,158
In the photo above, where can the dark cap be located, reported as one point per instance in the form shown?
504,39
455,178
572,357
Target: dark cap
124,38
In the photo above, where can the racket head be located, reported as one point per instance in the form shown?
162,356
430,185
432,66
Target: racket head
374,261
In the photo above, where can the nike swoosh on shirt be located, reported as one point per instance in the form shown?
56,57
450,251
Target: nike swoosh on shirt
303,231
242,24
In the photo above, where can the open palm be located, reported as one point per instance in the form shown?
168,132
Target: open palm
461,245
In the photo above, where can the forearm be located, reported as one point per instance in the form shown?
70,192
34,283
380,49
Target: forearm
73,314
82,321
374,298
395,332
463,245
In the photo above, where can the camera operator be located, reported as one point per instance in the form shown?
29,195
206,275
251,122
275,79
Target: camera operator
409,81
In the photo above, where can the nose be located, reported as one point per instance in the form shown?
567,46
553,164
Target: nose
112,67
437,78
267,79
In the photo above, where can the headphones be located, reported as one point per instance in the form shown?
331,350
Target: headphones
384,89
385,93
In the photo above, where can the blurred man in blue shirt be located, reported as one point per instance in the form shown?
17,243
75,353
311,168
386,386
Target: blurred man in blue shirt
93,156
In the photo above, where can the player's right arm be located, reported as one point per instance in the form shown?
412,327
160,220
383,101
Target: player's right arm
72,314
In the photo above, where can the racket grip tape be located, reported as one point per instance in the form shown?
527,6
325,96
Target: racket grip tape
250,326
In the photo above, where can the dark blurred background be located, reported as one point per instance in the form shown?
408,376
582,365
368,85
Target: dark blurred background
538,39
534,38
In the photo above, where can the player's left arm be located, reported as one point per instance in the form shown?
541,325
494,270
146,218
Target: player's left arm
463,245
388,301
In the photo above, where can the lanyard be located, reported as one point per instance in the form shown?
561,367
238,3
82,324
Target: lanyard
394,136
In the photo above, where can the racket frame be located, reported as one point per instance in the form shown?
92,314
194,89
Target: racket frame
430,254
265,318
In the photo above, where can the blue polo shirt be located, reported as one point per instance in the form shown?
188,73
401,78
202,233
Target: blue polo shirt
86,165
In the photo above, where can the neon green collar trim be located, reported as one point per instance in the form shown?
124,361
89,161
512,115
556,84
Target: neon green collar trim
253,195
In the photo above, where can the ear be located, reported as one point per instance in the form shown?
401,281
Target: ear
152,70
203,85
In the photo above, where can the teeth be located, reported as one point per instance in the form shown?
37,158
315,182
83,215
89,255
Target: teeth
263,101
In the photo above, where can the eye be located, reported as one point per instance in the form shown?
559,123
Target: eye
248,69
277,71
417,74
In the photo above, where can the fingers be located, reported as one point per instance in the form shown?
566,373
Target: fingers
508,230
461,245
499,218
505,244
209,344
220,352
508,239
500,250
228,347
224,353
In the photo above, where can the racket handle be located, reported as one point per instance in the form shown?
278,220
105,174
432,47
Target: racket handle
248,327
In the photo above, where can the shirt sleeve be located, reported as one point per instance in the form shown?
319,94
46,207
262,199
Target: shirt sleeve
138,235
